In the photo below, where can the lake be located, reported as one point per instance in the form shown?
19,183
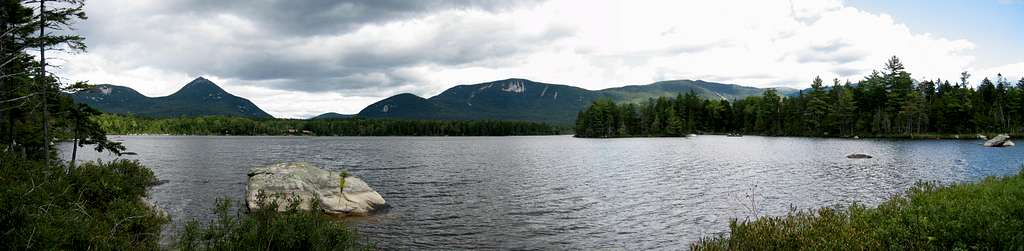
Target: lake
560,192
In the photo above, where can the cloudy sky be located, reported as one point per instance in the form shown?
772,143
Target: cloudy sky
297,59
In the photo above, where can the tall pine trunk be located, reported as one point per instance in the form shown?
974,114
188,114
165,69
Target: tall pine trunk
74,150
42,81
6,86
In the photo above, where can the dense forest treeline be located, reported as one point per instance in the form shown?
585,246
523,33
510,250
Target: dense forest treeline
221,125
887,103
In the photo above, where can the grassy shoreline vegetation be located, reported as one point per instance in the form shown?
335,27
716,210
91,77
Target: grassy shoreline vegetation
884,104
986,215
222,125
91,206
268,229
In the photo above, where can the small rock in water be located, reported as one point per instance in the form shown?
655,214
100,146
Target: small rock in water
859,156
1002,140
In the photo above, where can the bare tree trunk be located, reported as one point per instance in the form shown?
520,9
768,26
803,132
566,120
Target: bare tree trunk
42,81
74,148
6,87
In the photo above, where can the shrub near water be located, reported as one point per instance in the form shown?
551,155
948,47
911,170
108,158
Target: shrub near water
985,215
267,229
95,206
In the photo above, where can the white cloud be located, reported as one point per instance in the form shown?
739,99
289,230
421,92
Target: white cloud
291,104
1012,72
592,44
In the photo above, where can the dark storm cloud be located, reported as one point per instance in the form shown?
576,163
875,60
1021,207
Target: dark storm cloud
313,46
318,16
340,64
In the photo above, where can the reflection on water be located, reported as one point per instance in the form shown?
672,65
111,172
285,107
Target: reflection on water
558,192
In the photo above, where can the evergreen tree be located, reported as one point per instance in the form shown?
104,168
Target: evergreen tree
31,99
817,107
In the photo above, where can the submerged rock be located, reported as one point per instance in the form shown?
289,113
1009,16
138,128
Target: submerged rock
999,141
859,156
160,182
285,182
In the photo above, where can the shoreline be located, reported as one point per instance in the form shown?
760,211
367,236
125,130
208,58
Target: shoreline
316,136
924,136
958,136
982,215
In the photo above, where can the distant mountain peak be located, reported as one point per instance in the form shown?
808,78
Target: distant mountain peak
516,79
201,82
332,115
197,98
407,95
200,87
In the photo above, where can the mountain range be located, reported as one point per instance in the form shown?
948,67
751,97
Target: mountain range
332,115
197,98
509,99
522,99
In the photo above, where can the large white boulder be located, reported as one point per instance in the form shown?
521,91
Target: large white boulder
999,141
286,182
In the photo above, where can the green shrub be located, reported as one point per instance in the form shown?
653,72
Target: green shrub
267,229
94,206
984,215
341,180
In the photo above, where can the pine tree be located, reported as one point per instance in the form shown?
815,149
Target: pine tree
675,125
817,108
15,35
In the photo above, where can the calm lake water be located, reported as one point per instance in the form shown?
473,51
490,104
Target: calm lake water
559,192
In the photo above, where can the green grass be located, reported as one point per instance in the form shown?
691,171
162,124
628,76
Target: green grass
987,215
267,229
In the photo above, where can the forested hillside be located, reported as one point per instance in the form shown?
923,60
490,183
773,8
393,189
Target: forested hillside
200,97
885,103
222,125
525,100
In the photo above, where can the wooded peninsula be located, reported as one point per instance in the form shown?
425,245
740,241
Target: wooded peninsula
887,103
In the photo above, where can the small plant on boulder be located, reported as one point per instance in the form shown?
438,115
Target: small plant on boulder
341,180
